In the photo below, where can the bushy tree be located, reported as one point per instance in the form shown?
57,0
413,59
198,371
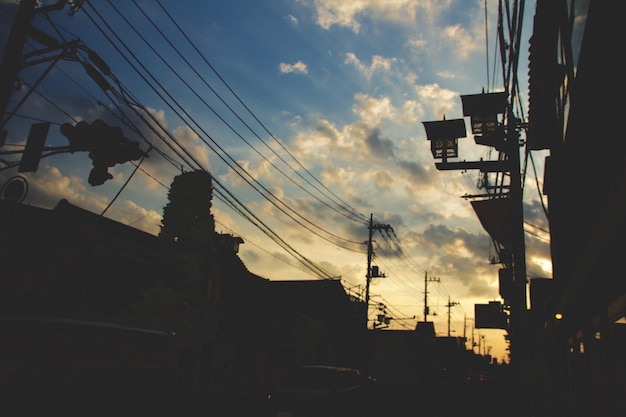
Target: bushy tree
188,233
187,218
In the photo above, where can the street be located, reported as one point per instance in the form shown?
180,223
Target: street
470,399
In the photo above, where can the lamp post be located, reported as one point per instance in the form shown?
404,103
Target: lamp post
494,124
444,136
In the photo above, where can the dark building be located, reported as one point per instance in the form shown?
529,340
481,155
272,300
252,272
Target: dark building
313,322
70,263
577,92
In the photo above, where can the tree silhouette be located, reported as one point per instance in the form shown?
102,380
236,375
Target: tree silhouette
187,218
179,303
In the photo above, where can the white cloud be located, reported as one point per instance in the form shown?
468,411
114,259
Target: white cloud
441,100
372,110
346,13
298,67
128,212
378,63
463,42
419,44
293,20
196,147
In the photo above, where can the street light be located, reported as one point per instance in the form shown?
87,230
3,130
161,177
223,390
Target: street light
484,110
443,136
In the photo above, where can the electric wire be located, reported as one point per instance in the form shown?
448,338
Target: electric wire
251,217
239,135
248,240
203,80
125,184
361,217
80,46
400,252
223,155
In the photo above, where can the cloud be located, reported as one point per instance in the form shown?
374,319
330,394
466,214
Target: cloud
128,212
377,146
441,100
463,42
346,13
373,111
383,180
194,145
293,20
378,63
418,44
299,67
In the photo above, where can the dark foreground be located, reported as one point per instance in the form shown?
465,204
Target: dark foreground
385,399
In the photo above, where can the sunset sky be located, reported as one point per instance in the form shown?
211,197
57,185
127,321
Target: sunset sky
308,114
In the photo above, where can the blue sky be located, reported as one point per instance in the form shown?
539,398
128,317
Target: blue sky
309,113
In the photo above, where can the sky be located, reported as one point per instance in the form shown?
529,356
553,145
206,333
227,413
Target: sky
308,114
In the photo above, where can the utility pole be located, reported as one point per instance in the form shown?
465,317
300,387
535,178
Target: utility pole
520,358
11,60
450,305
10,66
473,341
372,272
426,281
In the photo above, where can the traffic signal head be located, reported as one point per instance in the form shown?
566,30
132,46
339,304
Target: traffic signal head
128,151
99,175
106,145
80,136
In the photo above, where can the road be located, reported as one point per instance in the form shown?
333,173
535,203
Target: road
468,399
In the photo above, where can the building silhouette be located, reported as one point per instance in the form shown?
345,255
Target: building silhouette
576,95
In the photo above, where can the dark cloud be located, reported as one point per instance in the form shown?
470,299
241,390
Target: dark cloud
416,172
379,147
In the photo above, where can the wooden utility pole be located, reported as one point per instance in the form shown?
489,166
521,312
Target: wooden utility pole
426,281
450,305
10,66
11,60
370,254
372,272
368,276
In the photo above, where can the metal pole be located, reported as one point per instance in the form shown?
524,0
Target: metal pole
425,296
520,338
450,305
10,66
368,277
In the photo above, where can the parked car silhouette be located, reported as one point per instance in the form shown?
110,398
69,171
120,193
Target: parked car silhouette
61,366
317,390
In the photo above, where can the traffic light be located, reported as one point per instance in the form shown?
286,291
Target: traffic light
106,145
99,175
128,151
79,136
110,147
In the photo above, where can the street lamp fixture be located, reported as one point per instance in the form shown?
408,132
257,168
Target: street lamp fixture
443,136
484,110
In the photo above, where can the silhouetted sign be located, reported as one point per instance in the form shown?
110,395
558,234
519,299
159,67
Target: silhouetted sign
490,316
34,147
496,216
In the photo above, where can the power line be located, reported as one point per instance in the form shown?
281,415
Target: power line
360,217
223,155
